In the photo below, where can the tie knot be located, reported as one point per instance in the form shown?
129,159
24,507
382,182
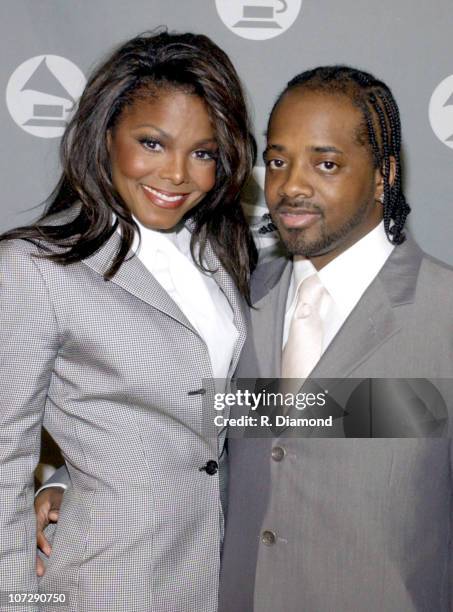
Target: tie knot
309,296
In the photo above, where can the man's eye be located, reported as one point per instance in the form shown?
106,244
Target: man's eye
273,164
151,144
328,166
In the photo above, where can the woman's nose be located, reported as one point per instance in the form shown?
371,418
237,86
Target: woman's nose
173,169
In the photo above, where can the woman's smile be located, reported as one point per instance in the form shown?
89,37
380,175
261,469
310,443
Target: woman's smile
164,199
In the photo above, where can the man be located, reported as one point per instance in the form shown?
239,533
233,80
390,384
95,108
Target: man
341,525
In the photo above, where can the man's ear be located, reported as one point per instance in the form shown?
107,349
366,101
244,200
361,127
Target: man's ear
379,179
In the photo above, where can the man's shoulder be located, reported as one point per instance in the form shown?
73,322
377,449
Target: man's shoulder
435,280
435,268
413,276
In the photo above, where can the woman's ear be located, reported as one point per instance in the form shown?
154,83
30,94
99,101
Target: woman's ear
379,180
109,140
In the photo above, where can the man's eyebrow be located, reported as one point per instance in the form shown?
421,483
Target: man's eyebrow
314,149
274,147
325,149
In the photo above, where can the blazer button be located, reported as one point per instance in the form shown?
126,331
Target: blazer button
268,537
210,468
278,453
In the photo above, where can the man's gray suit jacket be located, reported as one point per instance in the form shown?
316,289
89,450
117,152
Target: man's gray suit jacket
357,525
120,378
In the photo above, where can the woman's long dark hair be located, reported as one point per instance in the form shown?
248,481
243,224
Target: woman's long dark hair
189,62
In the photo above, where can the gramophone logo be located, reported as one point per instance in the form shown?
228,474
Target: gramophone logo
258,19
42,93
441,111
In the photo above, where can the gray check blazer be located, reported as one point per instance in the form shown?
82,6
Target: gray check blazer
114,371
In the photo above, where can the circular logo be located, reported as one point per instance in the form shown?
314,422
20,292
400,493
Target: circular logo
258,19
441,111
42,92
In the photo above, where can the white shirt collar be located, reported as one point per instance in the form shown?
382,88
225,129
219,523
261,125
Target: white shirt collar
154,240
347,276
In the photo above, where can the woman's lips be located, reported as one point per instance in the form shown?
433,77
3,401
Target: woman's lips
298,219
164,199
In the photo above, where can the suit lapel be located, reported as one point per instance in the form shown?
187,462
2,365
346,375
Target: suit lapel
270,286
134,277
370,324
373,321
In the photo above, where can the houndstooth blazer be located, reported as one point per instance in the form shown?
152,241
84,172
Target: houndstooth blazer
116,373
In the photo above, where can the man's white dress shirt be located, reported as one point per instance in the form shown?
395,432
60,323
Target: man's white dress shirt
345,279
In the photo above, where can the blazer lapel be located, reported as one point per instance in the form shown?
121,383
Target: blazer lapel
134,277
373,321
369,325
270,286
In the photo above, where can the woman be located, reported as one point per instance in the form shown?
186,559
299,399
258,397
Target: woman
117,310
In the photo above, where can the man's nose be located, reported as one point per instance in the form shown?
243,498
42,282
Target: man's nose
297,184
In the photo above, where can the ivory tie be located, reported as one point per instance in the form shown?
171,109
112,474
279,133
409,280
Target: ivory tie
304,346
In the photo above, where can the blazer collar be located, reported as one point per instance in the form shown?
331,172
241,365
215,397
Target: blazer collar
370,324
373,321
134,277
269,289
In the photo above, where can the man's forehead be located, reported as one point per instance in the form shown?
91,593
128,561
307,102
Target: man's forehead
316,114
298,102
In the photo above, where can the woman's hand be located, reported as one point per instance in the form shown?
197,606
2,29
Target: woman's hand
47,506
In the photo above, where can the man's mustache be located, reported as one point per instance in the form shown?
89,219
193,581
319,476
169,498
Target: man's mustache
298,206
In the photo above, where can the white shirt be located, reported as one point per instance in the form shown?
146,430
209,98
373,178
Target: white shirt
345,279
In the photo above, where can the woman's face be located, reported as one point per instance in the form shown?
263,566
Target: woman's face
163,152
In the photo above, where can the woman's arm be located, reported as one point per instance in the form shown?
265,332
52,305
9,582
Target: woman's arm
28,345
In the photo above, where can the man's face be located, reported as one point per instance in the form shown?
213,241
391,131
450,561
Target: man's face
322,189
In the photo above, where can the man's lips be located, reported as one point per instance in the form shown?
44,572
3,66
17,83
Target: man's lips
164,199
299,218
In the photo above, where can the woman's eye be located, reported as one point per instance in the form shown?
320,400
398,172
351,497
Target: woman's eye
273,164
328,166
205,155
151,144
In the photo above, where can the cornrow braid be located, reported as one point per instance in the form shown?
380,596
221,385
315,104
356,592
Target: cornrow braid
381,126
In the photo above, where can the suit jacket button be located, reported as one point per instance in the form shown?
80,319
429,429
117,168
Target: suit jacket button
268,538
278,453
210,468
